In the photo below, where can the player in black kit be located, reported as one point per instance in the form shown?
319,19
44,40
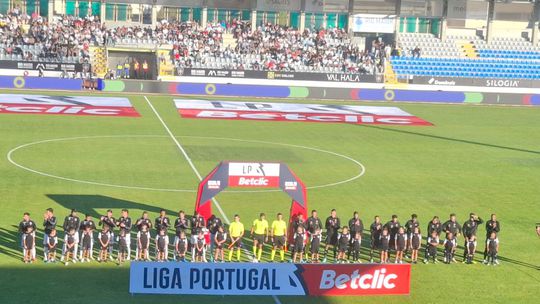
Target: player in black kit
375,229
470,228
492,225
356,226
143,243
146,222
393,228
123,246
49,223
104,238
213,225
314,244
72,221
416,242
299,239
23,227
124,222
449,244
356,245
400,244
109,222
434,226
409,227
29,243
90,225
332,226
431,247
384,245
452,226
314,224
343,243
219,239
70,240
86,244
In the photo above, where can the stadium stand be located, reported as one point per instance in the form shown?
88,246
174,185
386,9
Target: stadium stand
274,47
466,56
234,45
32,38
270,47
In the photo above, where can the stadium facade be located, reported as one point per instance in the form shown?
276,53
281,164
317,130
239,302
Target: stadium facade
487,39
415,16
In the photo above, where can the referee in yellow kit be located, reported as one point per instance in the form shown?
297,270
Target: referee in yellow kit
279,237
236,231
259,233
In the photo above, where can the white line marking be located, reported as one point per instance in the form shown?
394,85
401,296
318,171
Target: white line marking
186,156
175,140
11,153
216,203
362,171
276,299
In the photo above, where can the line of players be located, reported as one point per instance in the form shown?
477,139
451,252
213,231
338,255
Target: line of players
211,238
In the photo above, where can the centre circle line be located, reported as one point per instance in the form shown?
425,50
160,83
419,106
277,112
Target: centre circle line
13,162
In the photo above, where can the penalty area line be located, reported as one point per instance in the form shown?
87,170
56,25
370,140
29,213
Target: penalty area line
186,156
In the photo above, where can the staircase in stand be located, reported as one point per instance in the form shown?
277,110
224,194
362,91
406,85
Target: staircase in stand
469,50
99,61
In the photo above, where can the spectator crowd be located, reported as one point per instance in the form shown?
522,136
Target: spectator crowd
274,47
33,38
269,47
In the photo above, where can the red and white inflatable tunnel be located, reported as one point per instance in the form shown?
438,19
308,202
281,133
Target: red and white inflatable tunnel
252,175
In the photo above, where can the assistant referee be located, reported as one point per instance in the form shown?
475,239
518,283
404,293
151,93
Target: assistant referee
259,233
279,237
236,231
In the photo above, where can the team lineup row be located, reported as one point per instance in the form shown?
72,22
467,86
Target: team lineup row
209,238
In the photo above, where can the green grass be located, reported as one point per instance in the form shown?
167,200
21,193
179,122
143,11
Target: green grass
475,159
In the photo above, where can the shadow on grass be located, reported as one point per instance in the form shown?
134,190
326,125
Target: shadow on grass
87,204
9,238
518,263
10,242
451,139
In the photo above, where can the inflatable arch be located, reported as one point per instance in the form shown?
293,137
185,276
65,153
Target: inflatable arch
252,175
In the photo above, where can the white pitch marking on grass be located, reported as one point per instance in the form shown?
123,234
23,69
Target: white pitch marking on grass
175,140
359,164
11,153
216,203
186,156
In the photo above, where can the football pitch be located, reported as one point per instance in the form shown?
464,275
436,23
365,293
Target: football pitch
482,159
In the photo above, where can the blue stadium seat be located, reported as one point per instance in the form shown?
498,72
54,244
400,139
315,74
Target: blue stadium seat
510,64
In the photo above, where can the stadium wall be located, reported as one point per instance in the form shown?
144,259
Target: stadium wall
319,92
40,83
211,89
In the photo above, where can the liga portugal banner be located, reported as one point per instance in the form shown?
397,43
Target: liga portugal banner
262,279
265,175
268,111
66,105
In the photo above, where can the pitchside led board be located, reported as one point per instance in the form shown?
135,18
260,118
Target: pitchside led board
267,111
263,279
